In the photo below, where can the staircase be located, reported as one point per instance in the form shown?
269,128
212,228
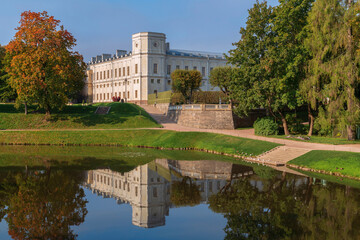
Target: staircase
102,110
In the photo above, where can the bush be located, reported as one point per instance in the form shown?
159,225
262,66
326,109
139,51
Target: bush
266,127
116,99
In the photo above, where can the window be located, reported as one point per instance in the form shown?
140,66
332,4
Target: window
97,86
195,68
100,75
128,94
124,185
138,81
152,80
119,72
136,68
155,192
107,85
123,71
115,183
115,84
97,76
115,94
120,94
100,96
97,178
168,69
136,92
108,74
104,96
115,72
128,71
124,95
158,81
186,67
177,67
203,71
97,96
155,68
128,187
169,82
104,74
136,191
210,187
155,91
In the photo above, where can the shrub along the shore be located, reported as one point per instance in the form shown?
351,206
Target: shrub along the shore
148,138
331,162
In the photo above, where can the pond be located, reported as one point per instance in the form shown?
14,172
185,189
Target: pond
130,193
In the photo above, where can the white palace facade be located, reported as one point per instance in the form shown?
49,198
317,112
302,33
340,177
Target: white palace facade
145,70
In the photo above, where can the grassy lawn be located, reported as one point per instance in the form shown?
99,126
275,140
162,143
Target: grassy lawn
346,163
150,138
121,115
318,139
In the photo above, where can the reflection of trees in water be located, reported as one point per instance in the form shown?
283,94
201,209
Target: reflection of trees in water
283,209
185,193
43,204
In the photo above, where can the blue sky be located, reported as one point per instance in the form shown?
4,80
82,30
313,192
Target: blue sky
102,26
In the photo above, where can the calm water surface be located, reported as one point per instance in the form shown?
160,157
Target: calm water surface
124,193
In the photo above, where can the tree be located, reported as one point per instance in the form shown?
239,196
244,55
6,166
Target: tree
186,82
41,64
333,72
222,77
44,204
271,57
6,92
184,193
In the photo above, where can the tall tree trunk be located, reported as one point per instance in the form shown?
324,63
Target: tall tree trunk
311,121
26,109
285,125
351,129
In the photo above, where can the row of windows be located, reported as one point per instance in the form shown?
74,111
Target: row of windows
108,96
107,74
203,69
159,81
116,84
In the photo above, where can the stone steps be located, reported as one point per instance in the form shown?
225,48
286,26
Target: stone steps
102,110
283,154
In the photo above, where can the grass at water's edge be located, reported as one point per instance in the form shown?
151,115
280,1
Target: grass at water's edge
147,138
318,139
330,162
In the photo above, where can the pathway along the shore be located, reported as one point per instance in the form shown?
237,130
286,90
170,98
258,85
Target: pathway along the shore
279,156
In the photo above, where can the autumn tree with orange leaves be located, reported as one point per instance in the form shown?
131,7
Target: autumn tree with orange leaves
42,65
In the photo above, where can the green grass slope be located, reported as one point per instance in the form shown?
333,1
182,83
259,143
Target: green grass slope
121,115
346,163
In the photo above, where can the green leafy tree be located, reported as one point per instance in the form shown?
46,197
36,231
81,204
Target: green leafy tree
333,72
271,57
41,64
186,82
6,92
222,77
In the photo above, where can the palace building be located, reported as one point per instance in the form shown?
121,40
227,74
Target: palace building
144,70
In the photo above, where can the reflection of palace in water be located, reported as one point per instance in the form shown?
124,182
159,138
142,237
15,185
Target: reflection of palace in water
147,187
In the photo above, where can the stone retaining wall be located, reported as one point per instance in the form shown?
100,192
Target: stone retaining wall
207,116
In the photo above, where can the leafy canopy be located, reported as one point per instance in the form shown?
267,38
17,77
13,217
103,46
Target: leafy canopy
186,82
41,64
